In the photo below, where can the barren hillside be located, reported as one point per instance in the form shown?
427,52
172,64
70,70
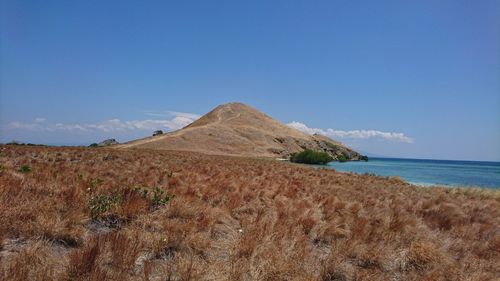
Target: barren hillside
238,129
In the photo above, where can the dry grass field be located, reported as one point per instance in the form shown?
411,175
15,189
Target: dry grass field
95,214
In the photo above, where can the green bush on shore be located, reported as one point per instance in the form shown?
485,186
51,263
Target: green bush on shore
342,158
311,157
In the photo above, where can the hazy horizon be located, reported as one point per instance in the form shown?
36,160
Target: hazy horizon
407,80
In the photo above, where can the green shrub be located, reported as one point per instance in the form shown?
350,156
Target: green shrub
25,169
342,158
311,157
93,184
157,196
94,145
100,204
160,198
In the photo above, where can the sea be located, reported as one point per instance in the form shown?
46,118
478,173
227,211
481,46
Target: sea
428,172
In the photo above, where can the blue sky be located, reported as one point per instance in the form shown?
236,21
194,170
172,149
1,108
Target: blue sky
416,79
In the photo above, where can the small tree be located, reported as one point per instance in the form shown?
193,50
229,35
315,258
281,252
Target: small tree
157,132
342,158
311,157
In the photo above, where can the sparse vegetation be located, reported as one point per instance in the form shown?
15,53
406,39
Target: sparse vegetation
94,145
157,196
311,157
342,158
25,169
100,204
14,142
363,158
94,183
331,145
232,219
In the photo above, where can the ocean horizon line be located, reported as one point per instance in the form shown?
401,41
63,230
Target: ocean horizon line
433,159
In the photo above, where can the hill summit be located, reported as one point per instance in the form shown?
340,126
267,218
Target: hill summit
238,129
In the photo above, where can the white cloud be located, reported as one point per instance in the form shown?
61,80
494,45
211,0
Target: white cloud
190,116
176,121
354,134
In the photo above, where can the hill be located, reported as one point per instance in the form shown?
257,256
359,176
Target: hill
238,129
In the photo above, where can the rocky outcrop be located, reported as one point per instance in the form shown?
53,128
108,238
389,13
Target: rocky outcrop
317,142
108,142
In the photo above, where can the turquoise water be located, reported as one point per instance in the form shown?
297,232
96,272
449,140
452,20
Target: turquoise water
429,172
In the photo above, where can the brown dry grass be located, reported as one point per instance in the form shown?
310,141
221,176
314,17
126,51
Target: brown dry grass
233,219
